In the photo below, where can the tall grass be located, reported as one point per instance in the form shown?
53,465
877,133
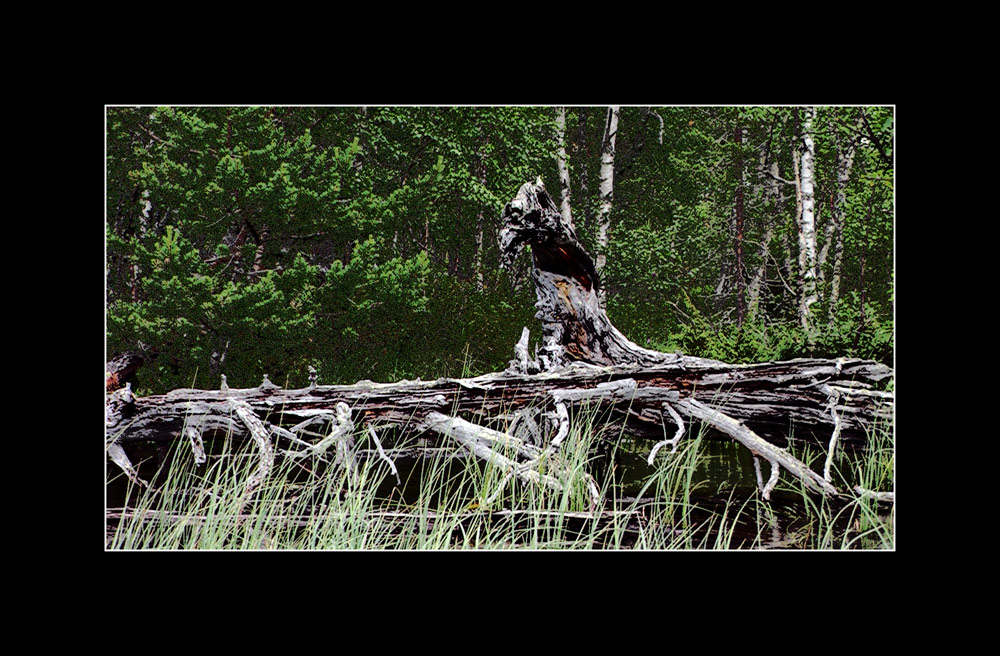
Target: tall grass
448,502
855,520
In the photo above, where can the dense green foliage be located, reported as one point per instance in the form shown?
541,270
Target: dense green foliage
362,241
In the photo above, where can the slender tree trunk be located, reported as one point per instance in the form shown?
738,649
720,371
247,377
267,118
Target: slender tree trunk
258,258
480,217
845,162
561,162
861,302
807,222
864,254
607,191
838,262
773,205
454,252
583,159
740,283
828,239
756,282
794,270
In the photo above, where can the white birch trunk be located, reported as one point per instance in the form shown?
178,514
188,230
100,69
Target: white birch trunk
796,268
565,208
606,189
807,221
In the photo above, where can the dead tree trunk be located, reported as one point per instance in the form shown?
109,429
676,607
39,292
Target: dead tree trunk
583,360
575,328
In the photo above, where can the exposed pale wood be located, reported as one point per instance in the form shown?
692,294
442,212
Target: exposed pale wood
575,328
672,441
477,439
768,397
755,443
889,497
260,436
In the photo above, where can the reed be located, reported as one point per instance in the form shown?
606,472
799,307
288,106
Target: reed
449,502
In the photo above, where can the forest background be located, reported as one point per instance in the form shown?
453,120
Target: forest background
362,241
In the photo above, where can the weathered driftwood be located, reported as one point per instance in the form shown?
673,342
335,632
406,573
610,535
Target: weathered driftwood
583,360
767,397
746,402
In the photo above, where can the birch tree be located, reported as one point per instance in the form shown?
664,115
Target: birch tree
606,189
807,220
565,208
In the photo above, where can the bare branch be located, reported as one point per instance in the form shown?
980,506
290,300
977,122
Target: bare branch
243,410
470,436
381,452
770,174
878,496
831,449
749,439
672,441
875,140
117,455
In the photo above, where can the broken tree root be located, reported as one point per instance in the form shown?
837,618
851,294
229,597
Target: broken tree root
485,443
262,439
672,441
773,454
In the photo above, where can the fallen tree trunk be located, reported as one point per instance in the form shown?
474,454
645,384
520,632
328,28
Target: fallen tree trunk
767,397
583,361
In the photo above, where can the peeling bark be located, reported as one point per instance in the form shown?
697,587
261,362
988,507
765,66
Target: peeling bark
767,397
575,326
807,223
606,189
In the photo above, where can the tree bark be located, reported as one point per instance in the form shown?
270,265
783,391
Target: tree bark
480,216
565,208
575,326
766,397
120,368
807,223
582,145
738,245
845,162
606,189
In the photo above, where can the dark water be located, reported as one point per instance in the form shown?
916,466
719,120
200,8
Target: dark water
723,483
